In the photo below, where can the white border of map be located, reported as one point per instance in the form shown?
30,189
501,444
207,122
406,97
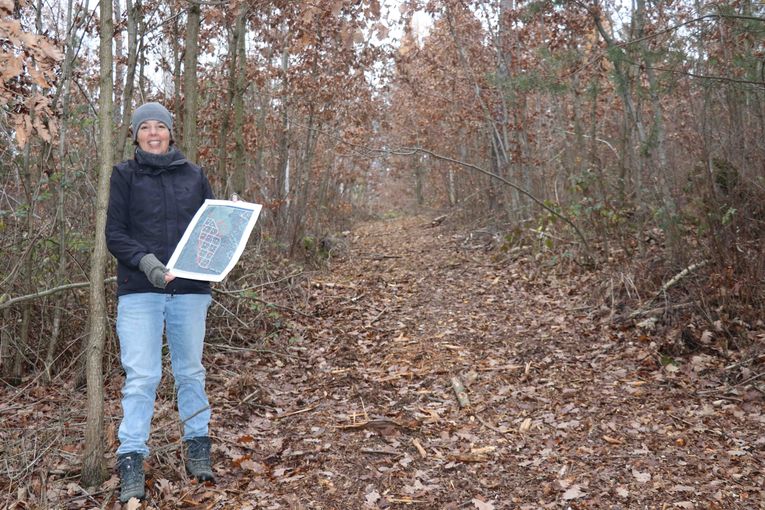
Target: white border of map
239,249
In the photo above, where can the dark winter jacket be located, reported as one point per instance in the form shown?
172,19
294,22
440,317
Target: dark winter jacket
152,200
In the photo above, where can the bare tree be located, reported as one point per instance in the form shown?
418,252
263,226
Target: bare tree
93,469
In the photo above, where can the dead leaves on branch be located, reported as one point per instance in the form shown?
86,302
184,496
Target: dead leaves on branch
28,65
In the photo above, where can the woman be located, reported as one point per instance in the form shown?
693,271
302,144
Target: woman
152,200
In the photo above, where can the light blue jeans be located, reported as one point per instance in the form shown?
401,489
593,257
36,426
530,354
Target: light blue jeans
141,320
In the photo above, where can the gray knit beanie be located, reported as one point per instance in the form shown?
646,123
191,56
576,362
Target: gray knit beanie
151,111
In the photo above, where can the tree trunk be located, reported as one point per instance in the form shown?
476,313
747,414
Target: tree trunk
225,113
61,273
124,145
93,469
119,65
190,90
177,79
27,267
283,172
239,179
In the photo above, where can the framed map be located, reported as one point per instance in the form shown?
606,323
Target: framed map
214,240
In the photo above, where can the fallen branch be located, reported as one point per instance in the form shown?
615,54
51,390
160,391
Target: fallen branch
47,292
382,257
682,274
459,390
643,310
408,151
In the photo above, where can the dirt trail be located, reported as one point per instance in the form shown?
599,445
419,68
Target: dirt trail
351,404
564,412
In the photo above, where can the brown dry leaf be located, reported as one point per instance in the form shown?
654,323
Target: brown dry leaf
42,130
255,467
612,440
574,492
12,67
371,498
22,125
640,476
51,51
164,486
133,504
11,29
482,505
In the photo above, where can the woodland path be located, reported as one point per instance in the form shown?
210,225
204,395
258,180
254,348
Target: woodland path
564,410
353,406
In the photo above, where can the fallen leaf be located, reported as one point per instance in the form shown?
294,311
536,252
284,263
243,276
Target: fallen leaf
573,492
372,498
640,476
133,504
685,504
622,492
482,505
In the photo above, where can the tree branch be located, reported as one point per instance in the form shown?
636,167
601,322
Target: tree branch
47,292
408,151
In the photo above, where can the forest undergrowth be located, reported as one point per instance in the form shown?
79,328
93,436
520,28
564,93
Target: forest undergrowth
423,363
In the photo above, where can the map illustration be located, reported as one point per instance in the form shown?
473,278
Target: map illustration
214,240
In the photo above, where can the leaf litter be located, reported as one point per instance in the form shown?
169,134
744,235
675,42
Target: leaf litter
352,403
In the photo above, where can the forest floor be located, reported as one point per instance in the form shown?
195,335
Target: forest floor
355,401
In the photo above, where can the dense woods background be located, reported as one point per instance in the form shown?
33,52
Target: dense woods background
621,137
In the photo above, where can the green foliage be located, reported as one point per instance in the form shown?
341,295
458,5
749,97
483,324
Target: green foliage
79,242
727,217
667,360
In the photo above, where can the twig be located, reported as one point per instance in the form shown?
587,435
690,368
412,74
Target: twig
267,284
642,311
377,317
205,408
232,314
267,303
380,451
252,349
459,390
299,411
377,256
736,365
488,425
419,447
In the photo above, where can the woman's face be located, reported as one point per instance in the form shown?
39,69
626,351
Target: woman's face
153,136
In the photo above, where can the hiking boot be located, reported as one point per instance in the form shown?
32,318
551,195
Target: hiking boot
198,459
130,466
